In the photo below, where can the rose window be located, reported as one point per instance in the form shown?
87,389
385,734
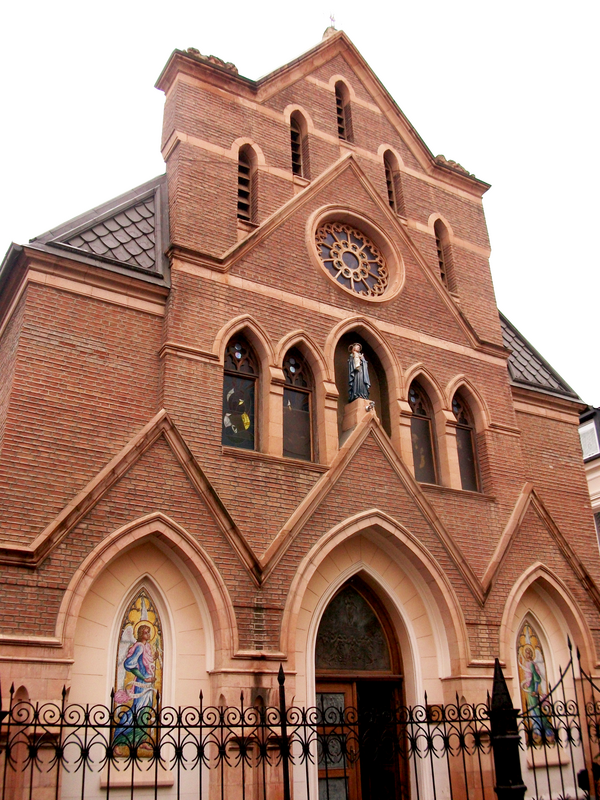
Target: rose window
352,259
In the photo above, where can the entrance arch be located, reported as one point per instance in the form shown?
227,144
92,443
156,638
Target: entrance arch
359,685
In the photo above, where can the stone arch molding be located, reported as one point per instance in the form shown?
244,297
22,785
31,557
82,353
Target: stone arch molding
220,619
307,345
384,148
254,332
433,218
429,382
477,402
540,576
377,341
289,110
401,550
237,145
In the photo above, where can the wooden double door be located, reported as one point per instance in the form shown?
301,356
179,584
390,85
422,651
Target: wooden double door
362,754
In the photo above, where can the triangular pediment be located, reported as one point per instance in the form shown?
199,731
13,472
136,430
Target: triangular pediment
160,431
530,503
368,469
346,190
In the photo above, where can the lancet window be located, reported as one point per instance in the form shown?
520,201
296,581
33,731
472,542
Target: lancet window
465,444
239,395
299,146
343,112
246,204
421,428
297,407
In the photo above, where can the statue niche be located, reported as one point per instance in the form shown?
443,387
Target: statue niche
370,383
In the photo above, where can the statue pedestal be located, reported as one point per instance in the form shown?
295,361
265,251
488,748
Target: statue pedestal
354,412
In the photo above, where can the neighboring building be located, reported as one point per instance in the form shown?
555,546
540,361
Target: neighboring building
178,447
589,435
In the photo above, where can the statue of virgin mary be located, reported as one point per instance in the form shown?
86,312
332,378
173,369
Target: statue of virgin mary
358,374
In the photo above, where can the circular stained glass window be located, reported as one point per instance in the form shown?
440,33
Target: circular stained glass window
352,259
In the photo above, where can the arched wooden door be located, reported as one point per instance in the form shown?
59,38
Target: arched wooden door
359,689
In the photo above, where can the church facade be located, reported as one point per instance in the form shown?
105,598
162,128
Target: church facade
263,410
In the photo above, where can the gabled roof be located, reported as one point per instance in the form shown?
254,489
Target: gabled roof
528,368
129,233
217,72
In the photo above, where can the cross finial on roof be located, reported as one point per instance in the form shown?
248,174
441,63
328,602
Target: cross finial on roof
329,31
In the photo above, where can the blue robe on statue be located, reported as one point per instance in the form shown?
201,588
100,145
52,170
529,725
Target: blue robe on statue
358,379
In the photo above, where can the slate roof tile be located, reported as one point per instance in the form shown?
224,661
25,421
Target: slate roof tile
128,236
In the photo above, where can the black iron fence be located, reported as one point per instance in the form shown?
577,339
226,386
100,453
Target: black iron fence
549,751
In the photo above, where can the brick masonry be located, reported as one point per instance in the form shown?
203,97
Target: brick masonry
82,376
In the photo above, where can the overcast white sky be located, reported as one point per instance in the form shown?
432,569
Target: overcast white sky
509,89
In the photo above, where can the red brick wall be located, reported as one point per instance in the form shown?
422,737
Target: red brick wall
86,380
80,377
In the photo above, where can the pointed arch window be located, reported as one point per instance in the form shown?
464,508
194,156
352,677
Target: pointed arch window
239,395
343,112
393,184
444,255
246,203
138,677
421,429
299,146
465,444
297,407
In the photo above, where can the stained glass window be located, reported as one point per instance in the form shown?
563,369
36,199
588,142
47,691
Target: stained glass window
465,443
421,435
138,677
534,687
239,395
297,407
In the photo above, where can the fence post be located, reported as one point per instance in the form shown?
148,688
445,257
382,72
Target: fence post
285,745
505,741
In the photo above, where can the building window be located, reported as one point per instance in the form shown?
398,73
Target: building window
421,429
588,435
465,444
444,254
343,111
299,145
352,259
296,143
239,395
246,206
297,407
392,180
